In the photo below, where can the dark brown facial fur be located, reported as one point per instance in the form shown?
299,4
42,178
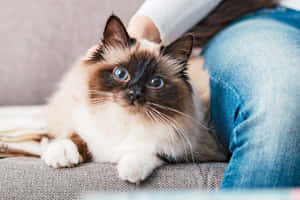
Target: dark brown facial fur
143,69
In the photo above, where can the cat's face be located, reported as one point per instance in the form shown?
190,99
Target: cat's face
140,76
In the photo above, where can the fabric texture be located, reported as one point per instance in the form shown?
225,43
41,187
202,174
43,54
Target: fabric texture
199,195
181,15
22,128
254,67
294,4
30,179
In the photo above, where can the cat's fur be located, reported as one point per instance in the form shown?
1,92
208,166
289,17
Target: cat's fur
92,117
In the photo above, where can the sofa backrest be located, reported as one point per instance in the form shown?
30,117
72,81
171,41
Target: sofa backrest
39,41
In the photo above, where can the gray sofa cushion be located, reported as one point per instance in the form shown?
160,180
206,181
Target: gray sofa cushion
30,178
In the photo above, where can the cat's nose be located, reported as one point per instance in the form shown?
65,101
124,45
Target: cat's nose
134,96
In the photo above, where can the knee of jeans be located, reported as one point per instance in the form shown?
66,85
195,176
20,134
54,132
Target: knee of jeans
269,125
250,47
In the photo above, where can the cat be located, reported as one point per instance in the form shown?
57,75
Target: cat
130,102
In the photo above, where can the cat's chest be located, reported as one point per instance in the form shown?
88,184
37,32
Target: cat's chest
112,133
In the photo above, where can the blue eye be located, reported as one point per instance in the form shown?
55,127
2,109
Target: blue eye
121,73
156,82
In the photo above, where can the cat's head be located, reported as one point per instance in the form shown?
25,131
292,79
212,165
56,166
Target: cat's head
140,76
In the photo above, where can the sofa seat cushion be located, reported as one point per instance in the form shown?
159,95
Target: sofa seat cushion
31,178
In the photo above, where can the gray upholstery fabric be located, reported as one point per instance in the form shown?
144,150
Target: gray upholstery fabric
41,39
30,178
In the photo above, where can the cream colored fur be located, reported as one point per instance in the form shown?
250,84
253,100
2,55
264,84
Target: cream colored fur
117,136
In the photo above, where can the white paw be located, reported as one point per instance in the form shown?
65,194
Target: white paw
136,169
62,153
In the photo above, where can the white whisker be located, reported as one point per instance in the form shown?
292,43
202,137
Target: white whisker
179,130
152,110
180,113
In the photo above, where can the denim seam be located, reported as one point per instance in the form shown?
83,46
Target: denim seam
236,94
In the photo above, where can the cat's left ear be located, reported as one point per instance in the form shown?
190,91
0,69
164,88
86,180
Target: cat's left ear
180,49
115,33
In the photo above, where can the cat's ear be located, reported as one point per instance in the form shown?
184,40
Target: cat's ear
115,33
180,49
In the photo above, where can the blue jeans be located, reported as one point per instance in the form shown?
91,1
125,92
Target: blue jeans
254,67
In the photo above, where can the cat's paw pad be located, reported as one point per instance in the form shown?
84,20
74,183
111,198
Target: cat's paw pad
134,170
62,153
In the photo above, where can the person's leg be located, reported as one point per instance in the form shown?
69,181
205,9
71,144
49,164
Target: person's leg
254,68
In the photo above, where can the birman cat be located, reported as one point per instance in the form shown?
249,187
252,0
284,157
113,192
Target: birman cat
130,102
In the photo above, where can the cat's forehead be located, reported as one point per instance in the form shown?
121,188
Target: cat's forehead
144,54
116,54
142,62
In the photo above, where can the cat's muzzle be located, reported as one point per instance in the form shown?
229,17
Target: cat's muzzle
135,96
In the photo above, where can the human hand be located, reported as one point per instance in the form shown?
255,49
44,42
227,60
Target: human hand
142,27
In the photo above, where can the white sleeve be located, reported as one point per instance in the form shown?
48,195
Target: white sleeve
175,17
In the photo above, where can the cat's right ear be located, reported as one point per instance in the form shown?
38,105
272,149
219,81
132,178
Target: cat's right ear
115,33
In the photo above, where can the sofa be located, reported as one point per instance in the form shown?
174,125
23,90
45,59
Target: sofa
39,42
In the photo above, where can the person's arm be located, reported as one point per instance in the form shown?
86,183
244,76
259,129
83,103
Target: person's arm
166,20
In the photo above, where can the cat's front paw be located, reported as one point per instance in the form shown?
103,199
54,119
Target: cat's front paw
134,169
62,153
